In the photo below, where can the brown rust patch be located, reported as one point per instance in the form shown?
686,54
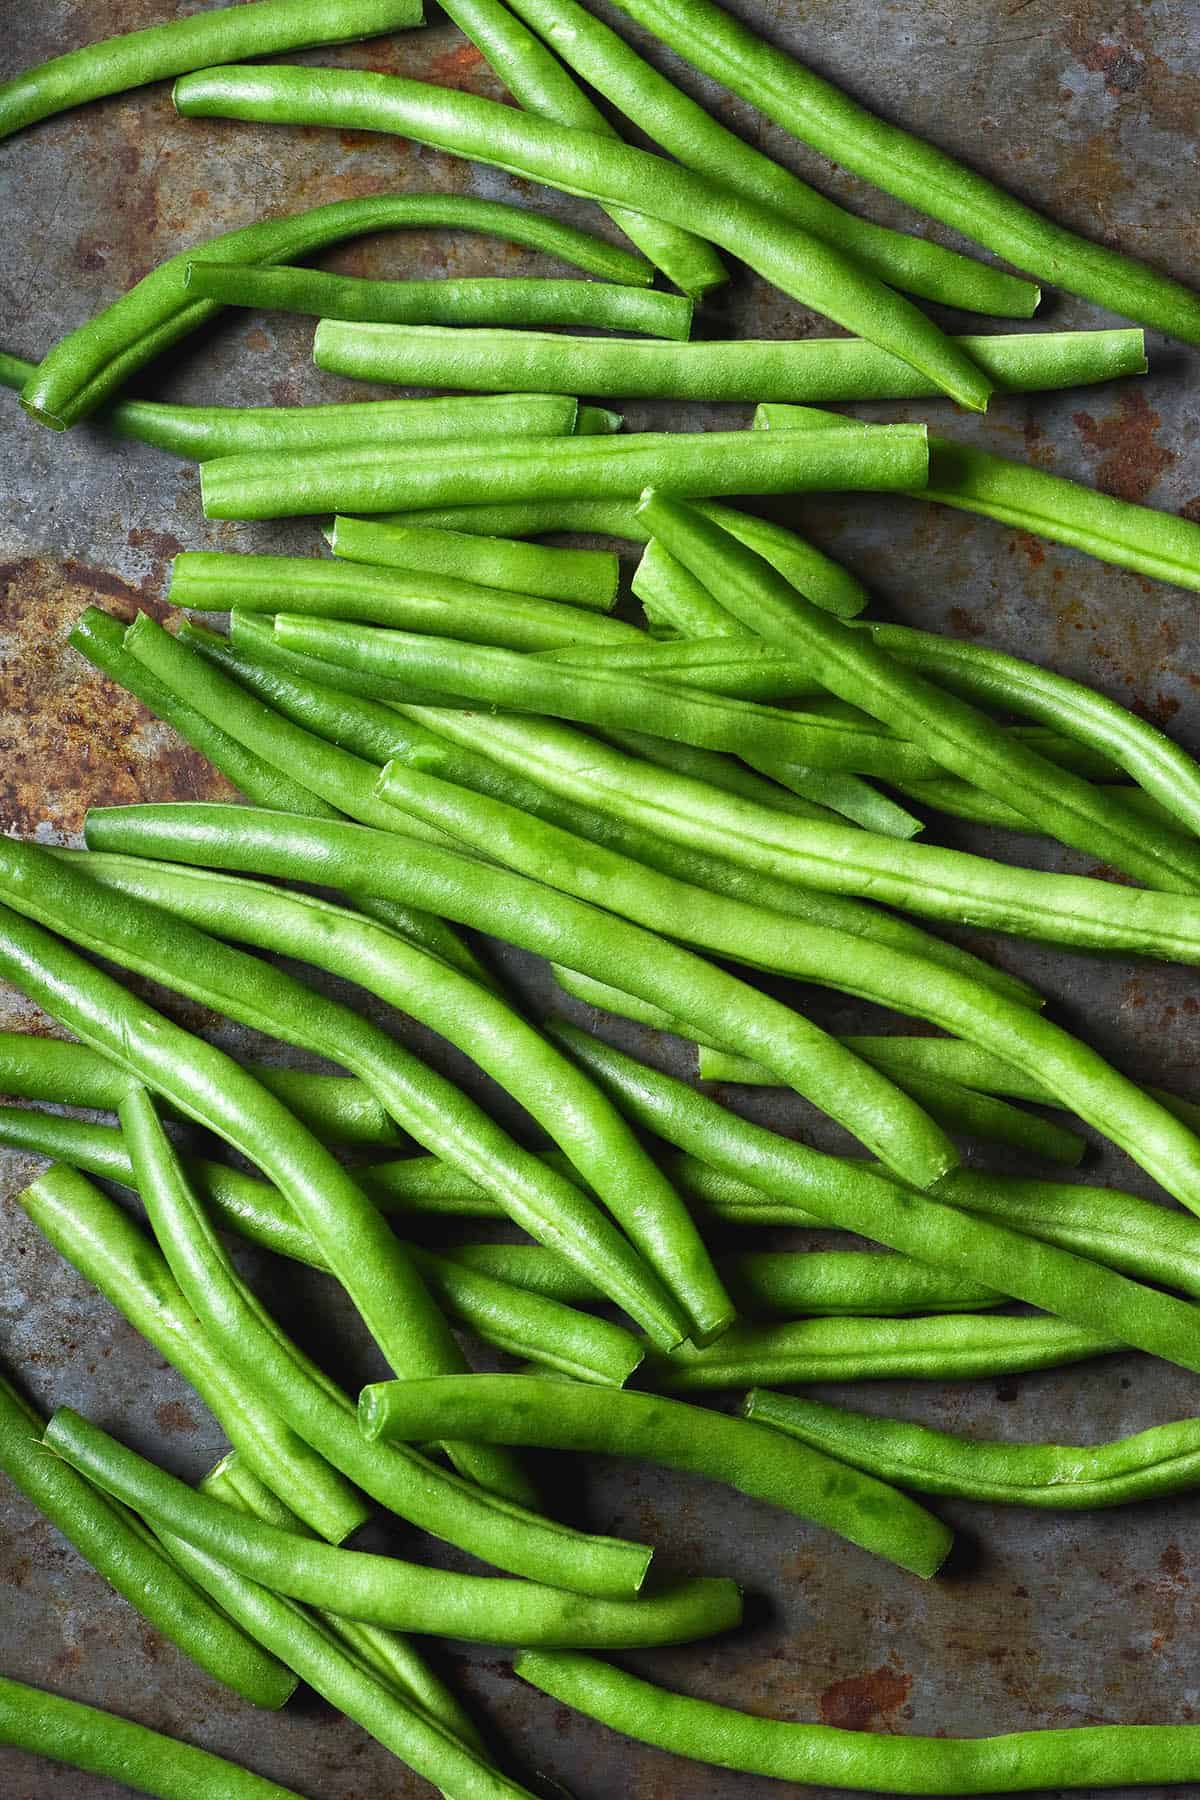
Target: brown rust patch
173,1417
1131,459
449,69
856,1703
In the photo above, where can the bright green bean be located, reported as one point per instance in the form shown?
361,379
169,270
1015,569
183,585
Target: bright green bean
662,584
949,794
383,1590
596,421
1075,1477
413,600
749,370
480,300
710,766
103,1744
89,365
1082,1756
561,1416
581,162
371,479
96,1237
539,83
586,578
123,1553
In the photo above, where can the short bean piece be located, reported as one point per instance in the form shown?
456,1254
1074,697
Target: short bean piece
586,578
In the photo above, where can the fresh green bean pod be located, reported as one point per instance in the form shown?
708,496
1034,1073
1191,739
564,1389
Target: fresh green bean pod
950,794
710,766
126,1556
368,478
87,367
478,300
561,1416
596,421
383,1590
101,1743
596,167
587,578
672,596
1065,1477
538,82
1081,1756
412,600
747,370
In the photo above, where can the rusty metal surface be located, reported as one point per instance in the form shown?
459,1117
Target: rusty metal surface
1087,108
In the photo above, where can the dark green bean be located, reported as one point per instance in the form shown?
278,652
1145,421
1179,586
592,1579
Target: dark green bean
1083,1756
126,1556
581,162
581,577
89,365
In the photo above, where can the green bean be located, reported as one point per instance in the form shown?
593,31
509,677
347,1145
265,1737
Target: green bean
581,162
709,766
123,1553
1081,1756
684,130
372,479
485,1028
1072,1477
749,370
539,83
383,1590
110,1251
561,1416
413,600
587,578
83,1737
595,421
941,1232
89,365
949,794
962,738
658,576
115,64
408,666
476,300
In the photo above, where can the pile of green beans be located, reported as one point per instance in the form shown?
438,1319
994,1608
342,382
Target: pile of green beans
741,369
586,578
584,163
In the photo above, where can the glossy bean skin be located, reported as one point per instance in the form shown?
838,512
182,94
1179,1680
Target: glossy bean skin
747,370
138,57
822,115
540,83
684,130
120,1550
480,300
599,168
1064,1477
559,1416
383,1590
1084,1756
104,1744
87,367
587,578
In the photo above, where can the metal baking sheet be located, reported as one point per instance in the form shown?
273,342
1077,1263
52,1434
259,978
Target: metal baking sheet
1088,109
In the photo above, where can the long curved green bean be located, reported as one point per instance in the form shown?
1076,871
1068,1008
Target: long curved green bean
684,130
469,300
406,666
587,578
102,1743
749,370
1090,1298
965,740
946,1347
709,766
1081,1756
1068,1477
412,600
565,1103
383,1590
96,1237
369,479
582,162
137,58
89,365
561,1416
118,1549
539,83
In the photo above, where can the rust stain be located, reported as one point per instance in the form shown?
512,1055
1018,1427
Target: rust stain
172,1417
1131,459
1035,550
449,68
964,623
857,1702
257,339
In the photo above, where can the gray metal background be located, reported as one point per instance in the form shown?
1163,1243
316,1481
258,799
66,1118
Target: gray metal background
1087,108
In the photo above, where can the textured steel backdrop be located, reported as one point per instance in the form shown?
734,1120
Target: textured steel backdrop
1086,108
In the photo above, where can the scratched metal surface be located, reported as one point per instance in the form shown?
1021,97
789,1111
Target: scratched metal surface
1086,108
